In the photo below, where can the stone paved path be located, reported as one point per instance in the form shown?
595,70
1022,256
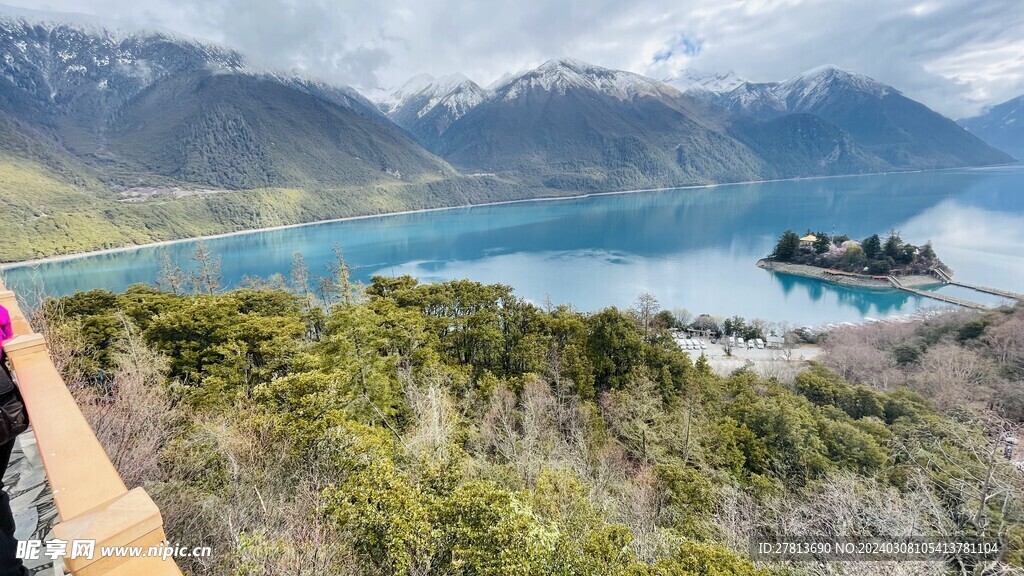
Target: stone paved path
31,500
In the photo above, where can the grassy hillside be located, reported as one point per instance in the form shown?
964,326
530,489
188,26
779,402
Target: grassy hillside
46,216
55,204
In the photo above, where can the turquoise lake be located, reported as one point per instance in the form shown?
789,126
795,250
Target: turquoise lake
693,248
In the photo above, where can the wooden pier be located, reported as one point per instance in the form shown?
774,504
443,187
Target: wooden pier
934,295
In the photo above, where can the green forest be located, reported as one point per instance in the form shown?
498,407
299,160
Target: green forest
313,426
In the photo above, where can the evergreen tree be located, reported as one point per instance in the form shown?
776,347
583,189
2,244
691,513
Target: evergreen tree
822,244
872,246
907,254
928,252
787,246
892,245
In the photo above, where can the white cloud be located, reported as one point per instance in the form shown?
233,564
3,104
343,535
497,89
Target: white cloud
954,55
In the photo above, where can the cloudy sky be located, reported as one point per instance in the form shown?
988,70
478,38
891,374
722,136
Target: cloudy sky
954,55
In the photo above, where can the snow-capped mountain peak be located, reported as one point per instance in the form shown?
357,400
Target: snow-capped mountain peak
90,67
758,98
505,77
690,80
806,89
51,60
563,63
564,74
425,92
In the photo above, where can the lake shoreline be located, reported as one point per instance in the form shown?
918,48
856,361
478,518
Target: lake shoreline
120,249
916,281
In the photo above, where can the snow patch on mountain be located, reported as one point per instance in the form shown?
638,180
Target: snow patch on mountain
114,29
1001,125
505,77
456,93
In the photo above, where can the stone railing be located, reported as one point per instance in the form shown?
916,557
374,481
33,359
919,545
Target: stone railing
92,501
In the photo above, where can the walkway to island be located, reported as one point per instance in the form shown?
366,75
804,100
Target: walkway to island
935,295
947,279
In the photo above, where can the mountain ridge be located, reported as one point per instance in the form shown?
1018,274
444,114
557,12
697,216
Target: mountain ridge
1001,126
903,132
575,125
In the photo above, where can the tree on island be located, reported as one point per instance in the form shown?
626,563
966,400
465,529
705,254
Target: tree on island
822,244
872,246
893,245
928,252
787,246
855,257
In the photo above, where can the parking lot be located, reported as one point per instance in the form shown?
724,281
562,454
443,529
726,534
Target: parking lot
767,360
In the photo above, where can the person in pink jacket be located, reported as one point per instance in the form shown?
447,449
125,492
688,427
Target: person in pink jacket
9,562
6,333
5,324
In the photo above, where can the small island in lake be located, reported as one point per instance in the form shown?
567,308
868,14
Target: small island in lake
867,263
